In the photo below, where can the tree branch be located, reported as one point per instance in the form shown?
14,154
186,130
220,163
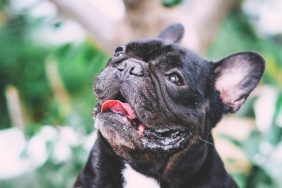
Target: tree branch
100,28
145,18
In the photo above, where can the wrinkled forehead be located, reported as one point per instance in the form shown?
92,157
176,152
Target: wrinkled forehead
150,49
160,51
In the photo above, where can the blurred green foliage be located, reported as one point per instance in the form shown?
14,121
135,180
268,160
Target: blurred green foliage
171,3
21,60
23,63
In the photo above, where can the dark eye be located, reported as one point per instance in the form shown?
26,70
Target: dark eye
119,51
176,79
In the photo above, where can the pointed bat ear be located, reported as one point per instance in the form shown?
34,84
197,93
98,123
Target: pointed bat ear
173,33
236,76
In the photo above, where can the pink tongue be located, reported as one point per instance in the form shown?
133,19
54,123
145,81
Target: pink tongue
118,107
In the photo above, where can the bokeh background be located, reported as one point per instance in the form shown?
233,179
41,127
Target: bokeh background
51,51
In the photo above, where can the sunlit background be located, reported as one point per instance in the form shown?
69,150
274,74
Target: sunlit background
51,51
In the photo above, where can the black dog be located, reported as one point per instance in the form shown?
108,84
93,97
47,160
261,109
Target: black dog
156,106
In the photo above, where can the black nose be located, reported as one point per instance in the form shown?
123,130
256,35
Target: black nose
132,67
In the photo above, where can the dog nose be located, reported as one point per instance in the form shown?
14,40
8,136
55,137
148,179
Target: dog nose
131,67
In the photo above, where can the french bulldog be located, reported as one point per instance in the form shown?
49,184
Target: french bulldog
157,103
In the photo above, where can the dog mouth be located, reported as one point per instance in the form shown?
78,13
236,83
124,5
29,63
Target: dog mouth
124,109
151,138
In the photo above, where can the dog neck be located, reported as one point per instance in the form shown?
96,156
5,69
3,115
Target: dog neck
174,170
191,166
185,164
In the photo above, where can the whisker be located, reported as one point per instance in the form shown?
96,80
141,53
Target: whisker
205,141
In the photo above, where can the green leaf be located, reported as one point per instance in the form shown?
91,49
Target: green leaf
171,3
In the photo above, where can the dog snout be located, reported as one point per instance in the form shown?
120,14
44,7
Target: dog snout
131,67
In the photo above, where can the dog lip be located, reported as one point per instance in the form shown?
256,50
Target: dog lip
165,133
96,110
167,140
123,108
154,138
163,136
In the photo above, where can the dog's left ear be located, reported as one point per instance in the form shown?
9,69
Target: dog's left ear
173,33
236,76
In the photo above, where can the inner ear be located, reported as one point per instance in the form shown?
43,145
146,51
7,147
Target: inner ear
173,33
236,76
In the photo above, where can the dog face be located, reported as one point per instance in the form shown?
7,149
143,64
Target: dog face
156,97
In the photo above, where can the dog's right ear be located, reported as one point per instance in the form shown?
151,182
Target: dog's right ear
173,33
236,76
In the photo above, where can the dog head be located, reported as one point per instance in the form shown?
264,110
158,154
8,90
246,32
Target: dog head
155,96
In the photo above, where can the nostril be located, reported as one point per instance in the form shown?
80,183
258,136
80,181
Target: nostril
121,66
129,67
136,70
131,71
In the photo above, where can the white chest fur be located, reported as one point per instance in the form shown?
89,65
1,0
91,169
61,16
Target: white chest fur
134,179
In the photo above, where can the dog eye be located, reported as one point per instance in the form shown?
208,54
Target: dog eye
119,51
176,79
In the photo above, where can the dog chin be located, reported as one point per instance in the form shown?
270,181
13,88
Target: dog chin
117,130
121,132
